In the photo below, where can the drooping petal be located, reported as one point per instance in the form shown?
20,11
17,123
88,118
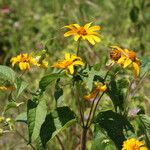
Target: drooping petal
71,69
96,38
76,37
136,69
24,65
90,39
127,62
121,60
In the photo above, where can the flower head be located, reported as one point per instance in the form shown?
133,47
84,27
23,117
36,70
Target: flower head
99,88
133,144
24,60
125,58
68,63
85,32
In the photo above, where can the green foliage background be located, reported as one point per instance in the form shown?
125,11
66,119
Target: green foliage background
37,24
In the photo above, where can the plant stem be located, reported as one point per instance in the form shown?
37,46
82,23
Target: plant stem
83,138
25,139
60,142
78,46
91,110
96,108
79,106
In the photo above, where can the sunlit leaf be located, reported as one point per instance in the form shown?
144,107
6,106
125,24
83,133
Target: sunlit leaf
36,113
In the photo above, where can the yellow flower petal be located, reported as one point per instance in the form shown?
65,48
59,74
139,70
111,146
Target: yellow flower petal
90,39
76,37
136,69
121,60
69,33
94,28
96,38
127,62
86,26
71,69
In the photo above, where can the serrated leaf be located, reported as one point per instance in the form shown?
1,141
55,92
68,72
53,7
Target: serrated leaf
22,117
6,75
101,140
115,125
36,113
55,122
48,79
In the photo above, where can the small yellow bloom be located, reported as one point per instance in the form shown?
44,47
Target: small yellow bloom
85,32
125,58
68,63
5,88
24,60
133,144
99,88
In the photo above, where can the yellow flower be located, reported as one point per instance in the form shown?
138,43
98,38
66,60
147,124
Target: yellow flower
85,32
133,144
125,58
24,60
68,63
5,88
99,88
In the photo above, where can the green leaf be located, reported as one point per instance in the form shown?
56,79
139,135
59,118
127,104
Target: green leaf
101,140
58,91
117,92
134,14
48,79
36,113
21,85
115,125
144,127
7,75
22,117
55,122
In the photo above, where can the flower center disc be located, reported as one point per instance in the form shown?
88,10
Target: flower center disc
82,31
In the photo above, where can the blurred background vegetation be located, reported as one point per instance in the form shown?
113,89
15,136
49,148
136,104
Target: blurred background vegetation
27,26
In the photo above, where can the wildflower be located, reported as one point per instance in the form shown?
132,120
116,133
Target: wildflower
68,63
5,88
84,32
133,144
125,58
24,60
99,88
